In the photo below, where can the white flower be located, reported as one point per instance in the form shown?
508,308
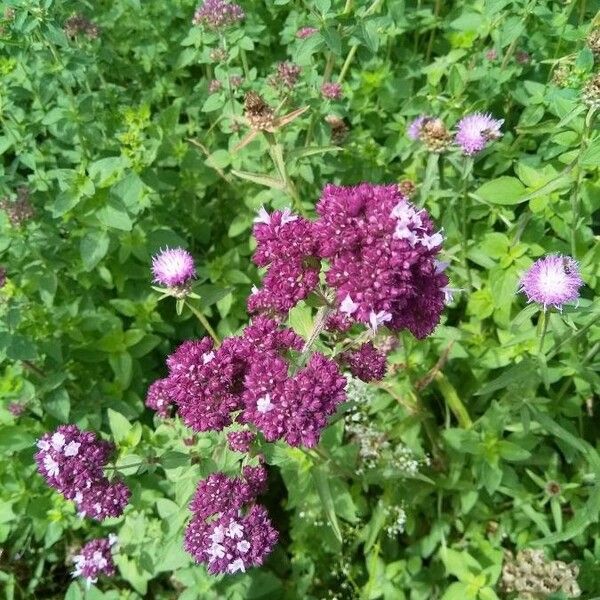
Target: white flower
432,241
72,448
58,440
264,404
348,306
112,539
440,266
379,318
207,357
215,551
235,530
218,535
51,466
263,216
243,546
43,444
404,233
287,216
236,565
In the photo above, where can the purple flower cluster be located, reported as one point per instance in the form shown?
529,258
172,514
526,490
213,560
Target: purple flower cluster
248,375
218,14
284,244
381,252
228,531
72,462
240,441
331,91
367,363
287,75
18,211
552,281
158,399
95,558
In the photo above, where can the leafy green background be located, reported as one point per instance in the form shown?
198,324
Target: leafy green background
125,151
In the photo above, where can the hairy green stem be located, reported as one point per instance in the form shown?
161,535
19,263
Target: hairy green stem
203,320
544,318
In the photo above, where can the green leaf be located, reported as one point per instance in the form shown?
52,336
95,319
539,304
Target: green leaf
114,214
321,481
93,248
15,438
301,320
58,404
106,170
119,425
504,190
265,180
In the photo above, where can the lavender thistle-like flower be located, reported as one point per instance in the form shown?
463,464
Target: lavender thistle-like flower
414,129
476,131
552,281
331,91
173,267
94,559
218,14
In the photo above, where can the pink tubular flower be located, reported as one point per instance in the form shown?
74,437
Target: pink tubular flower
286,246
382,255
72,462
218,14
158,398
305,32
331,91
366,363
94,559
173,267
476,131
552,281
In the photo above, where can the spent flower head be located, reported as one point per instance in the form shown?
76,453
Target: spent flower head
552,281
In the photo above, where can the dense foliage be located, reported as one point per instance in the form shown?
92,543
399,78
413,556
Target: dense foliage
128,127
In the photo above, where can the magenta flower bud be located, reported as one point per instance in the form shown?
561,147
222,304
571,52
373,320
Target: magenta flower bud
240,441
366,363
305,32
331,91
158,399
552,281
173,267
476,131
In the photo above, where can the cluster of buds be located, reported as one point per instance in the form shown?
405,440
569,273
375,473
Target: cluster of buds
591,92
286,77
532,576
339,129
77,25
20,210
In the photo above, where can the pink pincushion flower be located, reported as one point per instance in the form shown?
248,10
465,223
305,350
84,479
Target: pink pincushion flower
218,14
173,267
331,91
476,131
552,281
305,32
94,559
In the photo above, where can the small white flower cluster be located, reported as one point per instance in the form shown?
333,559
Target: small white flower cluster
396,520
57,442
235,531
409,219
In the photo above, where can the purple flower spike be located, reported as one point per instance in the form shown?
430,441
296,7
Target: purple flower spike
476,131
173,267
553,280
94,559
